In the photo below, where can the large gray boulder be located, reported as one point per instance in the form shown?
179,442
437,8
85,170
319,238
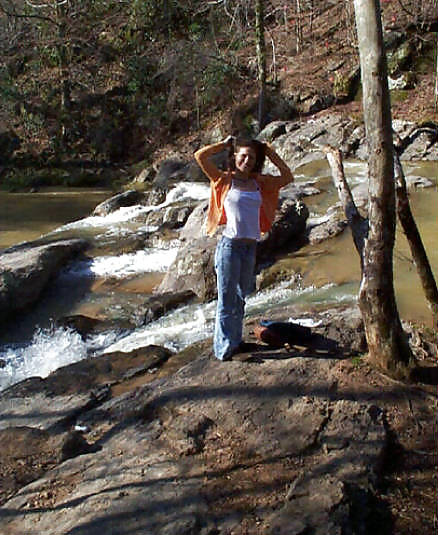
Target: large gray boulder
193,269
298,145
26,270
288,229
298,142
283,443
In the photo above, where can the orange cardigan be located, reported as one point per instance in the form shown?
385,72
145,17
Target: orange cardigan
220,182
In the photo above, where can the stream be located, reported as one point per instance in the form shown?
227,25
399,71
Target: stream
113,283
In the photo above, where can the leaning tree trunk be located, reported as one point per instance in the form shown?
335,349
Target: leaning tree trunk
436,82
387,343
414,240
261,61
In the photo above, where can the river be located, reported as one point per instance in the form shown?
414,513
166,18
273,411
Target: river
27,216
114,284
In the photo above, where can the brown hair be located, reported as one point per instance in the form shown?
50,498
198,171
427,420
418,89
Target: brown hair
257,146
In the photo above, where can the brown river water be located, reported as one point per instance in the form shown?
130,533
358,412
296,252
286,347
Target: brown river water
337,261
26,216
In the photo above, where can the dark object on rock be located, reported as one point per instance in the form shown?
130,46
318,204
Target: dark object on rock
74,444
84,325
277,334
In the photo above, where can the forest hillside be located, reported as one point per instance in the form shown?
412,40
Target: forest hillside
90,87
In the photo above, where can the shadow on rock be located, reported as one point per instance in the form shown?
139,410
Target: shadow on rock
427,375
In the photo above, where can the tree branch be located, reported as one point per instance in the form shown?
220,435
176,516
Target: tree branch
14,14
42,6
405,9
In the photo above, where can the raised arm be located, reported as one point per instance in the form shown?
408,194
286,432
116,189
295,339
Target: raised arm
286,176
203,156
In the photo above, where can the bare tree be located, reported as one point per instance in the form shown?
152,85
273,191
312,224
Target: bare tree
299,27
436,81
261,60
387,343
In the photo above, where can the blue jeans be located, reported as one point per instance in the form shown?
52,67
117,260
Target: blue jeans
235,271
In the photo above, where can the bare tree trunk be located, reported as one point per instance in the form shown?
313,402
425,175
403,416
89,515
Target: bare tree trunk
387,343
436,81
415,242
64,71
299,27
349,24
261,61
311,16
286,25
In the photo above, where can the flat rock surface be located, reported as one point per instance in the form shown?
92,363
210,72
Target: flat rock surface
188,453
40,411
74,389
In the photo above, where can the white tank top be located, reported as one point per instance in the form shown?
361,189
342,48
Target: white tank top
242,209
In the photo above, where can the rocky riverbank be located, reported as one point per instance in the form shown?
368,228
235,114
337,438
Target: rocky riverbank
305,438
277,441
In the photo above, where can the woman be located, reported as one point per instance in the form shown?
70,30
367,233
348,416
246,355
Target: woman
244,200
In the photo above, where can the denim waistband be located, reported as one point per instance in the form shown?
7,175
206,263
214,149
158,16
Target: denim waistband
243,241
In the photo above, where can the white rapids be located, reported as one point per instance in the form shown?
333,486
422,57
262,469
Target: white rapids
52,348
124,265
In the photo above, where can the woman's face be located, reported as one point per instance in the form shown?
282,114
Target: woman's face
245,160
